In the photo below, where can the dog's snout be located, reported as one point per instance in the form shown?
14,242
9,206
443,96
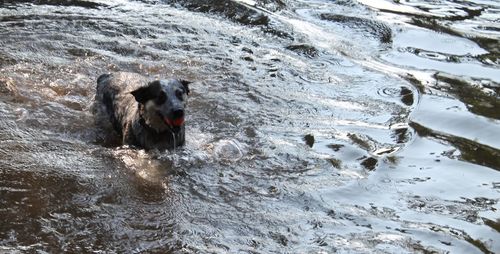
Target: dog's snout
178,113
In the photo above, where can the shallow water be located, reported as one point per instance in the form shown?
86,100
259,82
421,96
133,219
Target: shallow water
313,126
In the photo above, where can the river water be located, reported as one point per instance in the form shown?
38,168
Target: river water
313,127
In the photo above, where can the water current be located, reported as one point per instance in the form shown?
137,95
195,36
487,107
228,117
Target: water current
368,126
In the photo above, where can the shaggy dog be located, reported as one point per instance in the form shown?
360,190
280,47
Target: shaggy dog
148,114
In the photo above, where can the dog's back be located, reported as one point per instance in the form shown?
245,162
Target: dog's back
113,91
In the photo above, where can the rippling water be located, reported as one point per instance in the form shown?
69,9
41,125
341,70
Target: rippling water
314,126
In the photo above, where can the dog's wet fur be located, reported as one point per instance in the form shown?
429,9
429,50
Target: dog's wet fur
146,114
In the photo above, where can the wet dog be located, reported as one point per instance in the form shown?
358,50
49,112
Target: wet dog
147,114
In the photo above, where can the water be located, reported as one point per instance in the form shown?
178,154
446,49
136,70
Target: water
313,127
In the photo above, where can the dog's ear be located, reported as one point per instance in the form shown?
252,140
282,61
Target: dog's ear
185,84
146,93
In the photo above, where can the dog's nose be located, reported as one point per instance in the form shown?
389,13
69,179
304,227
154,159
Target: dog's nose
178,113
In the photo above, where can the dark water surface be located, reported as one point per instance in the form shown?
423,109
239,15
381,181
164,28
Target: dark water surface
314,127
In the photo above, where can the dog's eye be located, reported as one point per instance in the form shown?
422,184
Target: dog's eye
179,94
162,97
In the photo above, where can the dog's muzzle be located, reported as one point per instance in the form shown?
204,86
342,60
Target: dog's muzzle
176,120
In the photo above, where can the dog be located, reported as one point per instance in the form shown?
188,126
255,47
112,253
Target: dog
146,114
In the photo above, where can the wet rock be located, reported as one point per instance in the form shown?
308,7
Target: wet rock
271,5
369,163
247,58
401,135
491,44
279,238
415,82
432,24
492,224
235,11
378,29
309,140
362,142
277,32
245,49
406,96
336,163
80,52
78,3
335,147
304,49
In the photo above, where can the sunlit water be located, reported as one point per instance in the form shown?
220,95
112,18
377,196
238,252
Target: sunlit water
313,126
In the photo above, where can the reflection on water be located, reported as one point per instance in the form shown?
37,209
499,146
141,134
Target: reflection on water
313,126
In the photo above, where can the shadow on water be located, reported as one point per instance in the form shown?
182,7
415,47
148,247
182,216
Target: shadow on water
478,99
313,126
469,150
76,3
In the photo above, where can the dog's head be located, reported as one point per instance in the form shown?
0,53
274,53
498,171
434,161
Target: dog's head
162,104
